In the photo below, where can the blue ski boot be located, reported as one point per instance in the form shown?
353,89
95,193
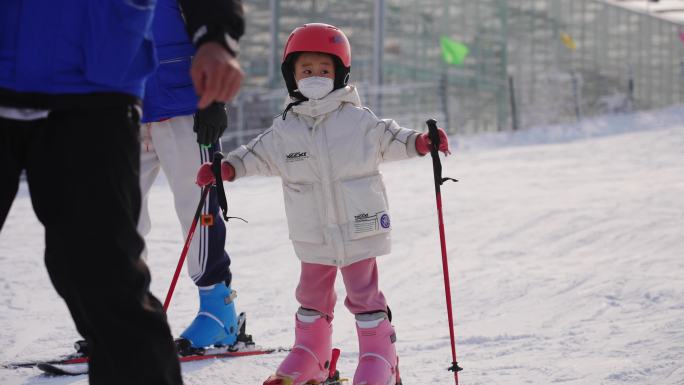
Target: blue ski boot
216,322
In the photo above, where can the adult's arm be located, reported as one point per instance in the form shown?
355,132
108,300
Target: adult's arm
215,26
220,21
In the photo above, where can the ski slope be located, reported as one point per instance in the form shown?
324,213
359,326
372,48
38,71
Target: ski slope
566,250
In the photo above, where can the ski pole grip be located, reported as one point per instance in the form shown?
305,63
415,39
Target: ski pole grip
216,166
433,134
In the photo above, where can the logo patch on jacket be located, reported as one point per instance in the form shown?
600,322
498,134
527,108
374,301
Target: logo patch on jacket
296,156
365,222
385,221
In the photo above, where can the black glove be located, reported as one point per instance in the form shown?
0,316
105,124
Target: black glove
210,123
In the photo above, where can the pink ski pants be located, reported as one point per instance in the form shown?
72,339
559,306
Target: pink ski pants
316,289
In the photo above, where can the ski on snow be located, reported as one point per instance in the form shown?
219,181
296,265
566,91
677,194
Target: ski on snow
76,366
77,363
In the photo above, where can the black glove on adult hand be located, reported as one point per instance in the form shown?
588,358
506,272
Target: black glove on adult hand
210,123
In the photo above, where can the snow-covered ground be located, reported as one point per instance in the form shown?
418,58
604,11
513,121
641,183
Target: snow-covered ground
566,249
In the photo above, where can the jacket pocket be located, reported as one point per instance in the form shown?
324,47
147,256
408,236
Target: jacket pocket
366,207
302,210
175,72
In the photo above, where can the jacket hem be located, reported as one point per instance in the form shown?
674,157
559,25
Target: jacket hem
42,101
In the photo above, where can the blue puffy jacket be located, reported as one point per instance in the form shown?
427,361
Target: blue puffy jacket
58,47
169,91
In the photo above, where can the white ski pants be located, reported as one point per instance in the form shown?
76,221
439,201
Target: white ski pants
171,146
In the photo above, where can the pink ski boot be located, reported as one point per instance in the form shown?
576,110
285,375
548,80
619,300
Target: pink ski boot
378,361
309,360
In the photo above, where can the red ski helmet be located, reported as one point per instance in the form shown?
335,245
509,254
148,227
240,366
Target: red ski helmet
316,37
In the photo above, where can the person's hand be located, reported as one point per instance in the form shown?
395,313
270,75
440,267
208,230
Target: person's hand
216,74
205,176
424,144
210,123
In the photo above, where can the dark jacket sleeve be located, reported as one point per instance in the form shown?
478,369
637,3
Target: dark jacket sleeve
212,20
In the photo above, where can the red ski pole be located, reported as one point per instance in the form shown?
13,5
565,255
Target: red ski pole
216,168
186,247
433,134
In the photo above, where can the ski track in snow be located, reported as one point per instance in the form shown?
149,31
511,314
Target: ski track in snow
566,252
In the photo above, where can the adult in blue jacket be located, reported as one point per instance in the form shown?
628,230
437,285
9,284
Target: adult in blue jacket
177,138
71,76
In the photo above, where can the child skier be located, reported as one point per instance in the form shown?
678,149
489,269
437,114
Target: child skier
327,148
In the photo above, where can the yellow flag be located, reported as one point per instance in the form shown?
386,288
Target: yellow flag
568,41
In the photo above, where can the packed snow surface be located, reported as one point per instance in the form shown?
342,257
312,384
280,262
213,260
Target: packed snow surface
566,257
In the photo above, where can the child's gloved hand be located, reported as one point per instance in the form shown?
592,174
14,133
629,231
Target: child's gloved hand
205,176
424,144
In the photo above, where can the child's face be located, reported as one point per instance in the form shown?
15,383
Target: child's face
314,64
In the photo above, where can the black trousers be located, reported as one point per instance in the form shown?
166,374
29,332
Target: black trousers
82,169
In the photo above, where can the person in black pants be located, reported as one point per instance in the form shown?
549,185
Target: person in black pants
70,89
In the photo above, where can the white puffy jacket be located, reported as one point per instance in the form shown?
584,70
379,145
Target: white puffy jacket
327,153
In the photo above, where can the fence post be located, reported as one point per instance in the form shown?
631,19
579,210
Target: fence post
514,107
576,93
378,53
444,90
274,63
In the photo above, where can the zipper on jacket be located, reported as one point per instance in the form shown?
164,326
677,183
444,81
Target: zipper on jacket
175,60
314,128
339,259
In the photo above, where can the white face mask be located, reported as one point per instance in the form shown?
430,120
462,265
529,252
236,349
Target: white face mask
315,87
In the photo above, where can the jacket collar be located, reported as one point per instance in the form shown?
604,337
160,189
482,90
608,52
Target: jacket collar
315,108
